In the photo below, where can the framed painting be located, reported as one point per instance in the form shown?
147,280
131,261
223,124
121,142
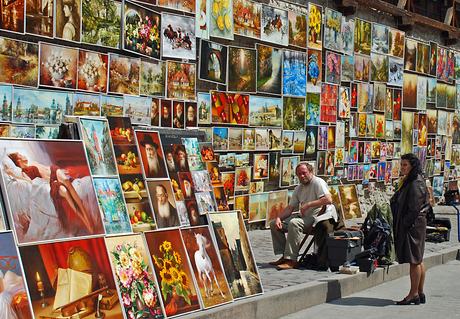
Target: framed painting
274,137
178,41
242,205
315,18
67,24
370,125
294,113
332,29
185,6
274,167
192,149
101,27
396,42
242,75
228,181
129,255
260,166
313,108
441,95
276,202
397,103
7,92
13,15
380,38
58,66
329,97
180,81
235,139
441,64
86,104
297,29
450,97
395,72
407,132
311,142
331,137
242,178
379,97
275,25
265,111
410,55
138,109
60,267
201,181
46,132
153,75
246,14
39,19
423,58
262,143
124,74
288,142
230,108
365,97
121,130
92,71
362,68
22,131
257,207
389,103
269,69
433,58
348,68
333,67
350,202
164,205
421,92
300,140
379,67
111,105
294,73
340,134
222,19
347,36
32,218
202,19
410,91
204,108
152,156
213,62
362,126
314,71
201,249
363,37
98,145
229,226
379,126
220,139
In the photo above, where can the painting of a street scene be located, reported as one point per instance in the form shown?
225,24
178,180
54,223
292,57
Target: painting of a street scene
241,69
12,16
6,96
269,69
265,111
19,61
236,254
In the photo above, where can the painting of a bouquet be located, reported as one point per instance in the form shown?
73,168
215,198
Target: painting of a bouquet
134,277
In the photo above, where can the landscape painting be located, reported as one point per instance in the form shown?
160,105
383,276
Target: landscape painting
213,62
124,75
178,38
297,29
246,18
274,25
180,80
153,75
19,61
101,23
241,70
265,111
269,69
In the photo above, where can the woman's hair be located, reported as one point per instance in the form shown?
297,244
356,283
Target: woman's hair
416,167
74,12
14,158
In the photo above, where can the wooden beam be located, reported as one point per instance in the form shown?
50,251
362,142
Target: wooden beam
384,7
347,7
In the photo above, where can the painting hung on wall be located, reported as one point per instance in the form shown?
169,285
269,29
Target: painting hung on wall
22,131
315,17
329,96
379,67
379,97
294,73
313,108
348,68
39,18
347,36
142,30
58,66
274,138
423,58
46,132
274,25
153,74
441,95
213,62
185,6
362,68
246,15
181,79
269,64
101,27
410,91
92,71
396,69
349,200
241,70
111,105
265,111
363,32
297,29
222,19
68,20
178,38
421,92
410,55
396,42
19,66
380,39
365,97
31,219
202,18
333,67
332,29
314,71
164,205
294,113
204,108
86,104
124,75
229,108
138,109
441,64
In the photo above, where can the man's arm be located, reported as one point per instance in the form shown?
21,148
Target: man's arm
284,214
325,200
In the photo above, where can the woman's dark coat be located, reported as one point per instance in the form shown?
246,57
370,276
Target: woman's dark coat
410,222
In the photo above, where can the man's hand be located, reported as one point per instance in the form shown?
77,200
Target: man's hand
278,224
303,209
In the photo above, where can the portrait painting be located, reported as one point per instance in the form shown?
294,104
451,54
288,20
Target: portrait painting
112,205
98,145
213,62
257,207
314,71
395,72
265,111
67,271
315,18
229,227
163,202
363,37
92,71
39,17
294,113
347,33
410,55
58,66
33,216
111,105
153,75
178,38
101,27
332,29
397,103
396,42
151,150
172,271
180,81
68,20
222,19
246,18
274,25
294,73
138,109
242,75
166,113
269,69
124,74
410,91
379,67
350,202
297,29
348,68
204,108
87,104
129,254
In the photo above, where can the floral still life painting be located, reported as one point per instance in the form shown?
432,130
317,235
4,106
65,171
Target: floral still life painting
332,29
58,66
315,18
92,71
222,19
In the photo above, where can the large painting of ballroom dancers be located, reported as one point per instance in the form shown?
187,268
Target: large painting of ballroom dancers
49,190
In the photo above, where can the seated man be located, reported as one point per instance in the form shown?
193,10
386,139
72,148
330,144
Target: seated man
311,194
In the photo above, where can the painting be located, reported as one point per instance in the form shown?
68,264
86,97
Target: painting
350,202
22,131
315,17
242,204
395,75
130,260
202,19
213,62
19,62
230,108
262,141
441,64
46,132
348,68
380,38
260,166
98,145
396,42
185,6
192,149
407,132
204,108
410,91
153,74
433,58
363,38
294,113
333,67
269,64
274,25
242,178
379,67
101,23
138,109
111,105
206,265
294,73
362,68
257,207
124,75
379,97
329,97
220,138
365,97
222,19
152,156
246,18
31,219
164,205
59,267
7,102
332,29
242,75
178,41
181,79
410,54
243,277
67,24
379,126
265,111
86,104
421,92
39,17
314,71
297,29
58,66
313,108
173,271
441,95
423,58
277,201
92,71
347,36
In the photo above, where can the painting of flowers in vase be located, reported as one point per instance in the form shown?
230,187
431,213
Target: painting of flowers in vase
92,71
314,71
314,26
58,66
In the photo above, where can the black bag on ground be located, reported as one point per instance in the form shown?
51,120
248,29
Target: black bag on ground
378,238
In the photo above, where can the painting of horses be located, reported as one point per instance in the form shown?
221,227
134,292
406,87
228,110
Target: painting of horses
178,36
236,253
207,266
274,25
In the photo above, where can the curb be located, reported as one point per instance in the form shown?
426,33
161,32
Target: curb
284,301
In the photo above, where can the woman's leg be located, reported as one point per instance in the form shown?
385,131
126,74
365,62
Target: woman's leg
422,278
415,278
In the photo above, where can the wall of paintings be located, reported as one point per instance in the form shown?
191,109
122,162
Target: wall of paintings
137,222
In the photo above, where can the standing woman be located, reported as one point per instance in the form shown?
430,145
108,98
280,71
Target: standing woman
410,204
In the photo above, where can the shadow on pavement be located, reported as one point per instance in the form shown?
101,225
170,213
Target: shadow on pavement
363,301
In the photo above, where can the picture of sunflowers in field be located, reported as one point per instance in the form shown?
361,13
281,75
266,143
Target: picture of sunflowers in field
222,19
314,26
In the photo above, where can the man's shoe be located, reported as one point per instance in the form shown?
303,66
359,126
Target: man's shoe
288,264
280,261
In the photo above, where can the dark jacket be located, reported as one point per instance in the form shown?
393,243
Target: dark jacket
410,222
